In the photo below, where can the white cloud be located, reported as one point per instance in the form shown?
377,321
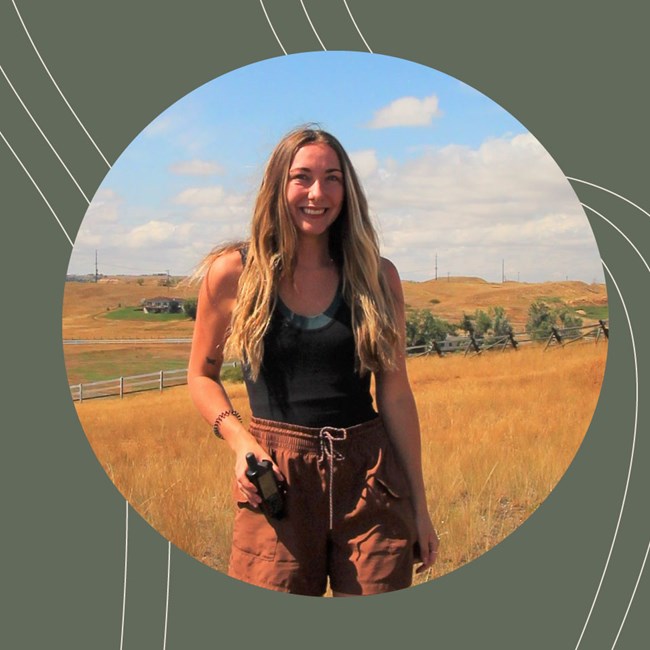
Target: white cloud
105,206
214,204
196,167
506,199
163,124
152,233
365,162
200,196
406,111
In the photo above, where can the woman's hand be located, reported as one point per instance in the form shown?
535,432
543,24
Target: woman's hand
427,540
246,488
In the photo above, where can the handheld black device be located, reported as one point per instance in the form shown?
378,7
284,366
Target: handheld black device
261,475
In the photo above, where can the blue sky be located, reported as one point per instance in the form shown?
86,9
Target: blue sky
446,171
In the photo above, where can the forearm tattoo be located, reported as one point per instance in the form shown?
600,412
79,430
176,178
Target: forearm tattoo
212,362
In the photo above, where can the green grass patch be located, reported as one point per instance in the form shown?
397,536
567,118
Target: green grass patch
88,365
97,365
596,312
136,313
234,374
554,300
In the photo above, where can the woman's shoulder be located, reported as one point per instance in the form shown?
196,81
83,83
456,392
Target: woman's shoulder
389,272
223,273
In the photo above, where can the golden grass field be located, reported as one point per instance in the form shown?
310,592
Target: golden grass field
498,432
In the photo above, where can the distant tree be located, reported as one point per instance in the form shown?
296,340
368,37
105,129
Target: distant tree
466,324
189,307
422,328
542,318
568,319
540,321
500,324
167,281
482,323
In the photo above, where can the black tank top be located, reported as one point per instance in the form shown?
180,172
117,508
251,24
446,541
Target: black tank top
308,374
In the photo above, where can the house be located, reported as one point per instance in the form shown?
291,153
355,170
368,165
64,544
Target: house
162,305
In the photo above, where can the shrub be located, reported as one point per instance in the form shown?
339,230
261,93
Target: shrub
490,325
542,319
422,328
500,324
189,307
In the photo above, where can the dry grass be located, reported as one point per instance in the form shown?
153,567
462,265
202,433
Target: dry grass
460,295
498,432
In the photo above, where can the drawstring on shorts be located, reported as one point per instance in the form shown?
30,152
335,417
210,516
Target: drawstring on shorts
327,437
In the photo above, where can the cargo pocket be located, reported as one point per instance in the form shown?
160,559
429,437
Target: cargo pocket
391,493
252,532
390,476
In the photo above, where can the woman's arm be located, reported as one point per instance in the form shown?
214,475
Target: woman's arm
396,406
217,298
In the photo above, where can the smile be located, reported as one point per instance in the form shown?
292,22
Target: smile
314,212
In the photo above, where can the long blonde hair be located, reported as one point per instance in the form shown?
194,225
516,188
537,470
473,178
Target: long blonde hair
272,255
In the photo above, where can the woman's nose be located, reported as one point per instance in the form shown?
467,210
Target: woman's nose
315,190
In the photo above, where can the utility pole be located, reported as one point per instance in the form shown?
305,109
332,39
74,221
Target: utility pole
436,267
96,271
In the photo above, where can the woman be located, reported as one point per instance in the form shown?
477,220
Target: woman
313,312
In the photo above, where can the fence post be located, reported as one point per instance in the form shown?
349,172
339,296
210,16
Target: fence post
604,328
555,334
81,393
121,387
161,381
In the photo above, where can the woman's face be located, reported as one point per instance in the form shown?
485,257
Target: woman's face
315,189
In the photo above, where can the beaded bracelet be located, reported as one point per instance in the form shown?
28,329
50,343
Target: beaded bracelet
220,418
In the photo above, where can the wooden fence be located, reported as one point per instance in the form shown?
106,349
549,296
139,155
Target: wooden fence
122,386
472,344
461,344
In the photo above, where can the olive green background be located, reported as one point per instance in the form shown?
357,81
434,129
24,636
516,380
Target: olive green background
574,73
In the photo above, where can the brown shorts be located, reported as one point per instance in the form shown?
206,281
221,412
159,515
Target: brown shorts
349,514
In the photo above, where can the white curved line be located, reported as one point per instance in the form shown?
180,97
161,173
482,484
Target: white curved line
20,162
169,563
604,189
313,29
38,54
627,239
43,134
354,22
632,596
268,20
629,605
126,562
629,470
